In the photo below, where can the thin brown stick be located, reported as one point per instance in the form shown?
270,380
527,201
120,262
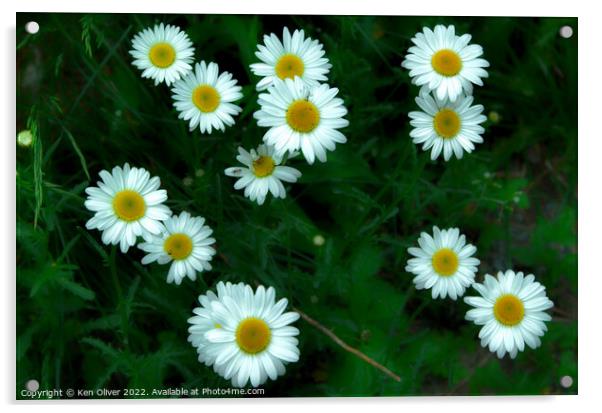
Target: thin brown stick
563,313
346,346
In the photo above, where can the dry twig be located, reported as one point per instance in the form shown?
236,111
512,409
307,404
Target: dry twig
346,346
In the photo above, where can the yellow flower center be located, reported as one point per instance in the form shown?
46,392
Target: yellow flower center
263,166
302,116
289,66
129,205
206,98
178,246
446,62
162,55
509,310
447,123
445,262
217,325
253,335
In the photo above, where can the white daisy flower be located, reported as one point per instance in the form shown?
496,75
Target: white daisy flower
261,173
294,56
511,311
445,63
444,263
204,320
204,97
245,335
163,53
127,203
185,241
445,126
303,118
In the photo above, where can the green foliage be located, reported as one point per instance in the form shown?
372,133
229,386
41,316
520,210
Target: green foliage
91,317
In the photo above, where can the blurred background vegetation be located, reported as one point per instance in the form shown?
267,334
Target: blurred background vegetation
91,317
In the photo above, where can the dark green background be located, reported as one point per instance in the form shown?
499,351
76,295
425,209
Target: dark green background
90,317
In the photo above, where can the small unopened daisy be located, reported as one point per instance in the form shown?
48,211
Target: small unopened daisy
447,127
444,263
262,173
445,63
294,56
185,243
204,97
511,310
301,117
244,334
163,53
127,203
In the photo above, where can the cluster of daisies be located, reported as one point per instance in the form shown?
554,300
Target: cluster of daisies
446,66
202,95
245,334
511,308
128,206
301,114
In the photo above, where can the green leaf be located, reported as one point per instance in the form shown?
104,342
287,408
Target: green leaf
79,153
77,289
101,346
38,175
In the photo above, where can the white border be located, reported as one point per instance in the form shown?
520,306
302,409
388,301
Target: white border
372,7
590,139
